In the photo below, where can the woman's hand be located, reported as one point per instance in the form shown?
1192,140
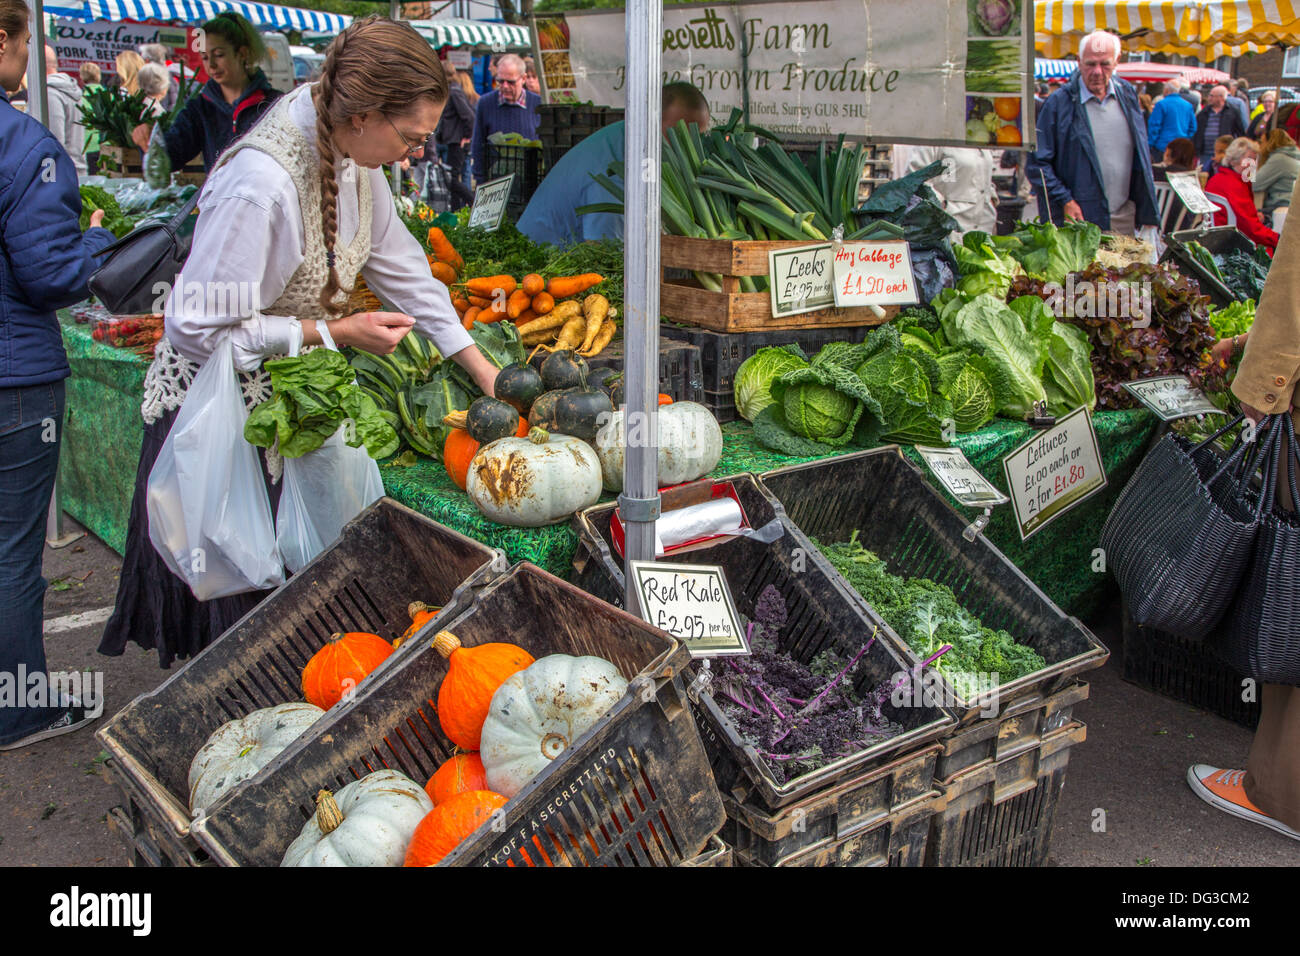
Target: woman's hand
480,369
97,218
1223,350
377,332
140,136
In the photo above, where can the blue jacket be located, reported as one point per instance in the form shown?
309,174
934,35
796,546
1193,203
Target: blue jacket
207,124
1066,158
45,259
550,216
1172,118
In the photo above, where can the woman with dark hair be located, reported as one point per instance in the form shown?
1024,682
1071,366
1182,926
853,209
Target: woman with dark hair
291,215
236,95
45,261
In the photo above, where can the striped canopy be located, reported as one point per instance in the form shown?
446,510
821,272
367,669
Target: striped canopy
1202,29
1054,69
198,11
495,36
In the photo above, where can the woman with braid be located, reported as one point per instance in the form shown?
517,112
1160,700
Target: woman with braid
291,215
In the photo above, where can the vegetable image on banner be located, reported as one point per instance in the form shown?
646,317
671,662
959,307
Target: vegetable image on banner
933,71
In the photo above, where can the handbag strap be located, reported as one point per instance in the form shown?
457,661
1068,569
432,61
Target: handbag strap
1290,452
1230,425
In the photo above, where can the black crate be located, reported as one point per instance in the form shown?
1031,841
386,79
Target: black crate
820,618
1001,813
149,842
827,825
679,368
898,840
1216,240
385,558
723,352
901,517
716,853
1020,726
1186,670
721,404
637,783
529,168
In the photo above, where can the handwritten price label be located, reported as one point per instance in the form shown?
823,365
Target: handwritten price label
1054,471
691,602
1172,397
874,273
490,201
799,280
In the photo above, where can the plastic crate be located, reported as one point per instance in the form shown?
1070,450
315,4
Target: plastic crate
1217,240
716,853
1185,670
828,826
527,164
386,557
721,353
635,790
905,521
150,843
820,618
1019,727
721,404
1000,813
679,368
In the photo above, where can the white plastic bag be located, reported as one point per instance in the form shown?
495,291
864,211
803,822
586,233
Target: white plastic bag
209,515
323,490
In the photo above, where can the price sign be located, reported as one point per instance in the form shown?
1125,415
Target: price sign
490,203
874,273
799,280
1188,188
1054,471
1172,397
961,479
693,603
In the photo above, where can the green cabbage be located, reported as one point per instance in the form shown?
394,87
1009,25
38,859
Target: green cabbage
819,412
753,385
971,394
1052,252
983,267
1016,352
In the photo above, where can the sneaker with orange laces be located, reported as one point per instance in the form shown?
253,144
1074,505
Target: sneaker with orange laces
1225,789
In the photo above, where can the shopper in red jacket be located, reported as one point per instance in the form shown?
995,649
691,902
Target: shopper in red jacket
1231,181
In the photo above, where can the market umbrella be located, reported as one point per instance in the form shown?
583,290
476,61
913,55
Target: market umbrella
1201,29
1161,72
1054,69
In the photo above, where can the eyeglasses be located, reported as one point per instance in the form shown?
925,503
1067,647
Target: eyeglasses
410,150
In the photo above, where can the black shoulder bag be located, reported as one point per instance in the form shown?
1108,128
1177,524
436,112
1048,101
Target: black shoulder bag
143,259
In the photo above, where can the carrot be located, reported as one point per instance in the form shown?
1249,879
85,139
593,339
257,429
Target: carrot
519,300
443,272
533,283
566,286
665,399
482,301
543,302
443,249
460,303
525,316
487,285
470,315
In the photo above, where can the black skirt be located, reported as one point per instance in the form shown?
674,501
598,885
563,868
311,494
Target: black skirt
154,608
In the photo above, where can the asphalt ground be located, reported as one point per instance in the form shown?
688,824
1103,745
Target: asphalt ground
55,795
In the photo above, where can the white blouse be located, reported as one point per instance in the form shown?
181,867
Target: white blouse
250,233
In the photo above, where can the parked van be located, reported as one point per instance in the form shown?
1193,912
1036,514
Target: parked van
278,65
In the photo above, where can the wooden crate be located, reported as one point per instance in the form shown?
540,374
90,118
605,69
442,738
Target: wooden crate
687,302
118,163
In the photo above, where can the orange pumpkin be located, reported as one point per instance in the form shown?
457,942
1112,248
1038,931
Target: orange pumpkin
459,450
461,773
450,822
340,665
473,676
420,614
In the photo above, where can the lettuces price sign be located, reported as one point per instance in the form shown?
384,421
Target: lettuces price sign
1053,471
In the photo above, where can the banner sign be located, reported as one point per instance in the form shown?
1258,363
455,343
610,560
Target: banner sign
99,41
924,71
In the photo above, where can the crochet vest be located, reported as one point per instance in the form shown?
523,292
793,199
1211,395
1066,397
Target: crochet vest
278,136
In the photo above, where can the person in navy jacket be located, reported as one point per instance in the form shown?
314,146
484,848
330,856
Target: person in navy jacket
45,262
1092,158
234,98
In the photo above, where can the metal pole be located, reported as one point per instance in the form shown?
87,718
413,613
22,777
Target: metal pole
395,13
639,503
36,106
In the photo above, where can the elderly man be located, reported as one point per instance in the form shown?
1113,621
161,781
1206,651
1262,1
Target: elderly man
64,119
550,215
1092,158
1171,118
1215,120
510,108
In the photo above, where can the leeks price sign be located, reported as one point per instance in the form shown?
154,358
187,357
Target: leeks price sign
920,71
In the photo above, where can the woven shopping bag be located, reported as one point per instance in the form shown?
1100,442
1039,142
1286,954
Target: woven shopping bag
1179,537
1260,635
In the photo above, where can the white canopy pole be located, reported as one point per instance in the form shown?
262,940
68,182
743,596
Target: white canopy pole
37,108
639,503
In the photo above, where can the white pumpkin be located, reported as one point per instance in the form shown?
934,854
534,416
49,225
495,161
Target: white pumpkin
369,822
690,445
533,481
240,748
539,712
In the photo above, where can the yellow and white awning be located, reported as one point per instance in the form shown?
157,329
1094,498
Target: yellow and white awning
1202,29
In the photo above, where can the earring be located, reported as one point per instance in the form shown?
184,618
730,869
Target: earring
357,131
